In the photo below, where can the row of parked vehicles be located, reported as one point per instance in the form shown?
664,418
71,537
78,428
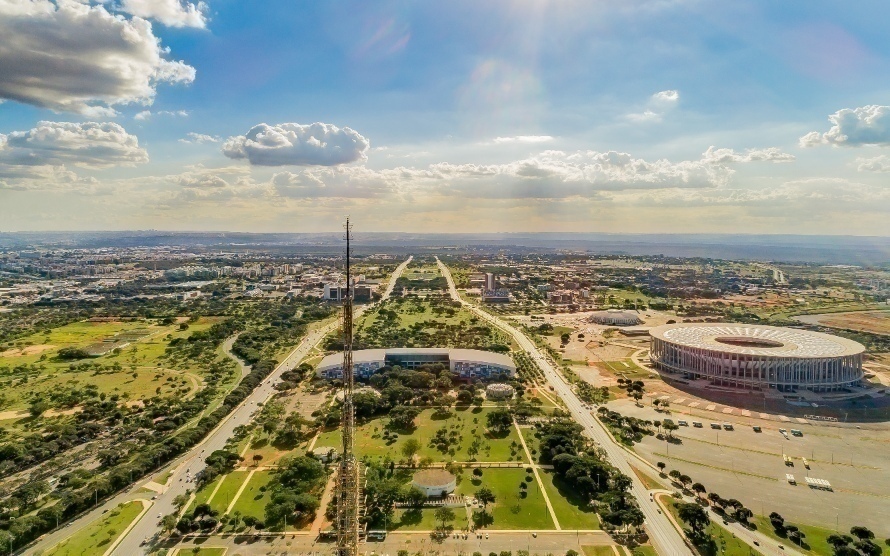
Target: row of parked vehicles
729,427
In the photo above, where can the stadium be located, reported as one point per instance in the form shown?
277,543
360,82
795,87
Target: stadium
757,357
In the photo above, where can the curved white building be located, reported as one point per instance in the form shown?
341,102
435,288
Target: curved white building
754,356
435,482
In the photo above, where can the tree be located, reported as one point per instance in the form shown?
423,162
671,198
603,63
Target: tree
698,489
444,514
256,459
38,407
413,496
477,472
674,474
410,448
485,496
695,516
168,523
661,465
861,533
499,420
402,417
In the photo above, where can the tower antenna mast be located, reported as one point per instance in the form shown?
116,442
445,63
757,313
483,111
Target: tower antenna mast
349,475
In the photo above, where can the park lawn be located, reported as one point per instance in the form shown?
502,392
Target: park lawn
726,542
255,496
140,357
227,490
201,551
424,519
598,550
261,445
569,508
98,536
204,493
369,442
509,510
644,550
816,537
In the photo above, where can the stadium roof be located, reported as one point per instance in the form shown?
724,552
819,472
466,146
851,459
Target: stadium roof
756,339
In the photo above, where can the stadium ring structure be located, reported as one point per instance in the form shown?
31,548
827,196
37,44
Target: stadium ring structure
757,357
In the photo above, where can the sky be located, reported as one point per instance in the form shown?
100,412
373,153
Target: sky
656,116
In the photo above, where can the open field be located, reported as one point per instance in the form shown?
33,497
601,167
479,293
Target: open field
511,510
570,509
133,371
201,551
254,497
98,536
468,422
598,550
815,540
875,322
424,519
227,490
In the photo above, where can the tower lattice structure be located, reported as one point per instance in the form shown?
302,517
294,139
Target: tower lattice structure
349,476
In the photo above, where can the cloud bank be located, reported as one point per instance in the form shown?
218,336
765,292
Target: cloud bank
854,127
291,144
76,57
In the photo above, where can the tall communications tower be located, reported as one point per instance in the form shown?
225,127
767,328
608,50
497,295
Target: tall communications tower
349,478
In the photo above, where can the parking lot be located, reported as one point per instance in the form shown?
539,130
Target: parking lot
749,466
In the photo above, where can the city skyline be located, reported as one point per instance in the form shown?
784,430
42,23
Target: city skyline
520,116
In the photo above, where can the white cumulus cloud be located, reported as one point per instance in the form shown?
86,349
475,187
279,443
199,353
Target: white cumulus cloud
87,144
524,139
291,144
199,138
726,156
656,107
854,127
669,96
77,57
171,13
147,114
876,164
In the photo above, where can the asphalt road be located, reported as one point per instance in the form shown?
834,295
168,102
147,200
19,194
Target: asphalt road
662,534
193,462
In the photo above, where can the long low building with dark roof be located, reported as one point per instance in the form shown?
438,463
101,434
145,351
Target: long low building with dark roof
468,364
757,356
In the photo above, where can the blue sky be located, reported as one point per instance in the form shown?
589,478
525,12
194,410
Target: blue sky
523,115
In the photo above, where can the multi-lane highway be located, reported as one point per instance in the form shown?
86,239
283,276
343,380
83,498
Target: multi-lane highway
665,538
193,462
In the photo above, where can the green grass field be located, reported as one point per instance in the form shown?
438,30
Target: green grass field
253,500
815,541
201,551
598,550
644,550
97,537
226,493
570,509
510,511
424,520
203,494
140,357
369,441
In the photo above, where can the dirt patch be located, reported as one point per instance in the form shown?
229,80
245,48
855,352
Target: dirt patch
875,322
28,350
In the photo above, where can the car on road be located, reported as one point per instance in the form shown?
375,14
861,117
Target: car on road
727,426
697,425
715,426
683,423
757,428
